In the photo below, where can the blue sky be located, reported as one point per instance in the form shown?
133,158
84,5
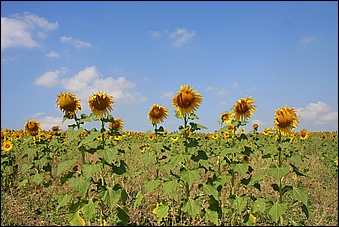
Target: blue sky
280,53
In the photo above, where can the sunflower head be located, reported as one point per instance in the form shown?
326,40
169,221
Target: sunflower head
68,103
100,103
255,127
186,100
157,114
7,146
285,120
226,117
32,126
244,108
118,124
303,134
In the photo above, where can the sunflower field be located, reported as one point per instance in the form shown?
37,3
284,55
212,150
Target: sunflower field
110,176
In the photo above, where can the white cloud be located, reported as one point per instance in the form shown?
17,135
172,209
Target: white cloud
235,84
20,30
155,34
169,94
75,42
88,81
223,103
48,79
48,122
220,91
307,40
52,54
319,112
181,36
261,124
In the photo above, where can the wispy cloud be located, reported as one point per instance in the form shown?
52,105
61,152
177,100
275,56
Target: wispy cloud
75,42
52,54
320,113
181,36
24,30
169,94
307,40
88,81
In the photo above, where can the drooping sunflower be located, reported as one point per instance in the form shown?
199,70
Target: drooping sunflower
100,103
244,108
186,100
226,117
32,126
7,146
118,124
286,120
303,134
255,127
157,114
68,103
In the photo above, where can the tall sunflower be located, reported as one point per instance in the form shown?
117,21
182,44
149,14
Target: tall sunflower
244,108
118,124
157,114
226,117
32,126
100,103
285,120
68,103
186,100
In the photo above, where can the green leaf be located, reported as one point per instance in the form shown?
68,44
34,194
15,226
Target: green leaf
211,216
92,135
261,175
73,134
37,178
25,167
80,184
109,154
65,165
190,175
300,193
123,214
89,209
192,208
151,184
259,205
170,188
88,169
277,210
138,199
75,219
241,168
161,211
110,196
240,203
278,172
296,158
122,169
210,190
63,200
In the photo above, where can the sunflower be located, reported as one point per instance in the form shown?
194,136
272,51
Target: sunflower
118,124
323,137
336,161
32,126
244,108
285,120
186,100
174,138
7,146
303,134
255,127
226,117
215,136
100,103
68,103
157,114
